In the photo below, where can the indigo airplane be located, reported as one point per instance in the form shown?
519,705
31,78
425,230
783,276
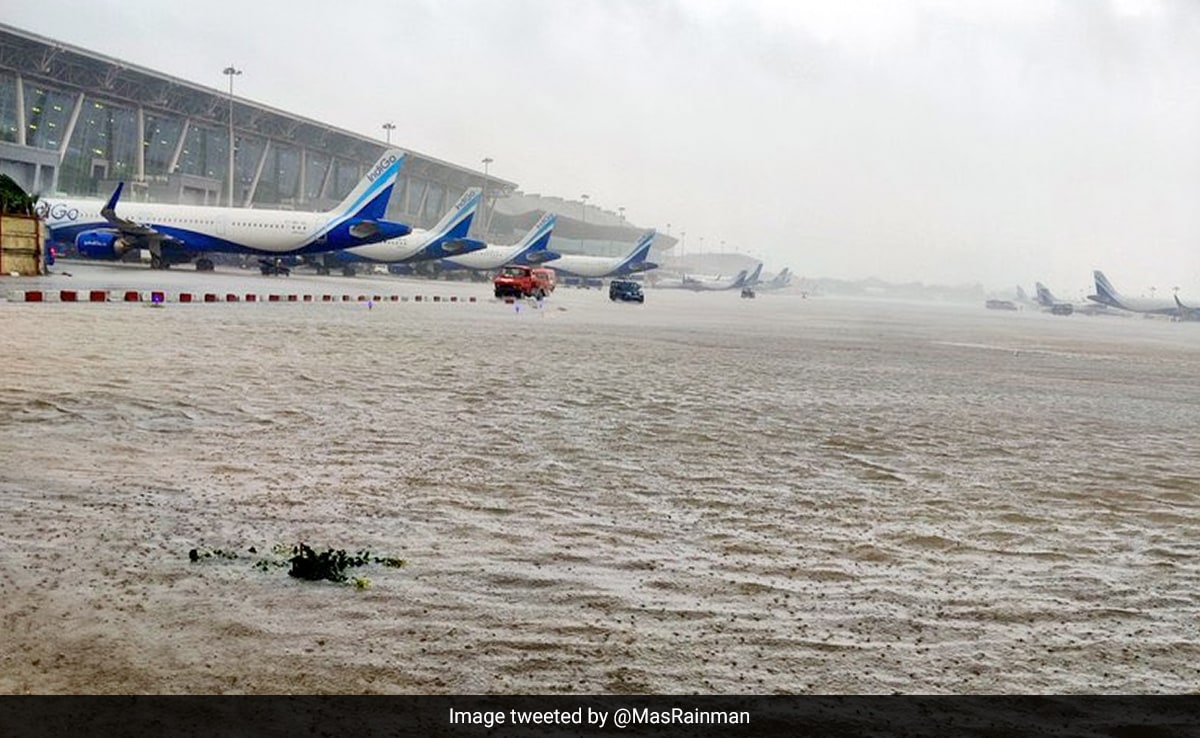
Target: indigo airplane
1049,303
754,278
706,284
175,234
779,281
447,238
529,251
1106,294
605,266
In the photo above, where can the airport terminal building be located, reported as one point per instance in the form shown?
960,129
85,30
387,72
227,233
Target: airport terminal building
76,122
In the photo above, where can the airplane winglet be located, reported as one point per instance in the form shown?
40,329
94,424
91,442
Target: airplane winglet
110,207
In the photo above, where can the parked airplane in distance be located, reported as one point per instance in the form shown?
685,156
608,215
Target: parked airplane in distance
1186,312
779,281
706,284
531,250
446,238
1048,302
175,234
754,278
593,267
1106,294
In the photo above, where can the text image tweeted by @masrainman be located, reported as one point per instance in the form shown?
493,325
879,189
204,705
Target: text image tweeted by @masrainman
901,715
437,716
620,717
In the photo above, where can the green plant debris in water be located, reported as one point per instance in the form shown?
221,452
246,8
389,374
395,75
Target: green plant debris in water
306,563
329,564
196,554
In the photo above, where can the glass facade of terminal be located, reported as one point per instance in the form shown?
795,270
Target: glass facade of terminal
75,123
100,141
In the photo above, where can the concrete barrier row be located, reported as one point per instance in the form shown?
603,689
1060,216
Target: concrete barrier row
159,296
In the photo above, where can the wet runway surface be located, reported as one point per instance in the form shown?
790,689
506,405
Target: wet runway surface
699,494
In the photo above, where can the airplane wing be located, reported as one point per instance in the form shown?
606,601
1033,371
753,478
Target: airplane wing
163,249
142,236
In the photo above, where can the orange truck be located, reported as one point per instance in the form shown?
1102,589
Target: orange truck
524,281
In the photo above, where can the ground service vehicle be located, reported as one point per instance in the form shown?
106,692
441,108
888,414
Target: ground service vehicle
524,281
274,267
625,290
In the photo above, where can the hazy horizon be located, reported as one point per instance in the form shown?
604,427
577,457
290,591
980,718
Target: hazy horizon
943,142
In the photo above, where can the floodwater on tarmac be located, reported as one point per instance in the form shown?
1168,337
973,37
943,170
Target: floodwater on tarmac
698,494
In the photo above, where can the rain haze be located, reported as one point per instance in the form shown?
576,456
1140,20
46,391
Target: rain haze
943,142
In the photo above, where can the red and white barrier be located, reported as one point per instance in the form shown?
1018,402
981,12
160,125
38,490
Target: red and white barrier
161,296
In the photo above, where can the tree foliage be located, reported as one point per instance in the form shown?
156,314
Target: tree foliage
13,199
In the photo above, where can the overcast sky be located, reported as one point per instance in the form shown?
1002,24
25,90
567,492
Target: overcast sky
943,141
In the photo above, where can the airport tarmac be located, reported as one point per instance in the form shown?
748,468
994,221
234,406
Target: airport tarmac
699,494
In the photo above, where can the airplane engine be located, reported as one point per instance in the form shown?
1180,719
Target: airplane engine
101,244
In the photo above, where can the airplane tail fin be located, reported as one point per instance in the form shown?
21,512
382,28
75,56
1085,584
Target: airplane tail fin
755,276
369,199
1105,292
1044,297
741,280
636,259
457,222
539,236
533,248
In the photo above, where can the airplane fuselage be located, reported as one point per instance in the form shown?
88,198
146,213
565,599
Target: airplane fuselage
392,250
492,257
592,266
702,284
531,249
602,266
1140,305
200,228
111,229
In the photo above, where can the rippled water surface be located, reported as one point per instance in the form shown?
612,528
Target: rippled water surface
701,494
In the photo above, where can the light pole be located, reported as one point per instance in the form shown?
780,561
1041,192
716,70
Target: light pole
231,72
483,195
387,129
583,209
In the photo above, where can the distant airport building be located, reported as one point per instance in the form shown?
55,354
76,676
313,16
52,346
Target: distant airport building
71,121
